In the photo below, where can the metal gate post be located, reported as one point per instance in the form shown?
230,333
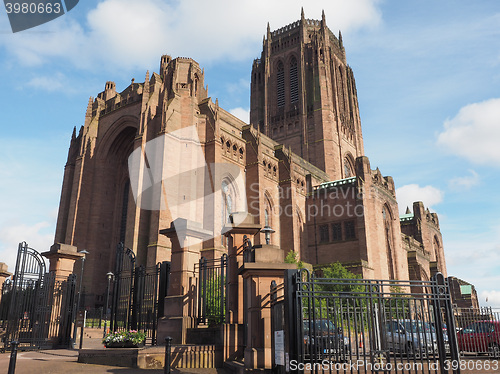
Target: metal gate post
441,299
163,286
223,264
291,317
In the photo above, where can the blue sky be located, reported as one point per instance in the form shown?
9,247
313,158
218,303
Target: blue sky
428,81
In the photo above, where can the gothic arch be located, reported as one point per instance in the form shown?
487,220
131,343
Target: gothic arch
301,228
348,166
387,217
119,134
230,195
436,244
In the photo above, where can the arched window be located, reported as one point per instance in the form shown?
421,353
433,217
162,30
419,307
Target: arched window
195,85
280,85
386,214
228,204
348,168
268,218
437,251
294,81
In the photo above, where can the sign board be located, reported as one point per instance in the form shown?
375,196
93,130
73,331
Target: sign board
80,318
279,348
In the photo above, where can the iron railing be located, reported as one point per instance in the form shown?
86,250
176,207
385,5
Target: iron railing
212,286
379,325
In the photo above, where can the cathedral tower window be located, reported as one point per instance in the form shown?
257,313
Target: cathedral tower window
280,85
294,81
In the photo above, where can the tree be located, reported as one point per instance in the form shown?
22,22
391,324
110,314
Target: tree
291,258
337,279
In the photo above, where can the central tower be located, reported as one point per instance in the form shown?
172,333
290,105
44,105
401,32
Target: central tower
303,95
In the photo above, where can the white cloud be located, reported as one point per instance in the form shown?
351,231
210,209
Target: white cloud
239,86
129,34
35,235
489,298
465,183
474,132
57,82
410,193
243,114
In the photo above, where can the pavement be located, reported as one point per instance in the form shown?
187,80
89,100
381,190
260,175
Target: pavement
64,361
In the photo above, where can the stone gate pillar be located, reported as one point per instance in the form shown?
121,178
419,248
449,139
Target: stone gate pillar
257,276
239,236
62,258
180,303
4,274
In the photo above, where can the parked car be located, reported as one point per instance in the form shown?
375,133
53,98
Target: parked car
412,337
324,340
480,337
445,337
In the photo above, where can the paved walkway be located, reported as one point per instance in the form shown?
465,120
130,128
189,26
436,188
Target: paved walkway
64,361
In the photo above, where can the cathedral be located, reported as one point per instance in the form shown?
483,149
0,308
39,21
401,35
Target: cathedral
163,149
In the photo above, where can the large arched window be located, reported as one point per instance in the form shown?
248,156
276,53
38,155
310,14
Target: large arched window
437,251
228,204
386,214
348,167
294,81
280,85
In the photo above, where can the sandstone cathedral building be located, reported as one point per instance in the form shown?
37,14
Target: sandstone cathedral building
298,169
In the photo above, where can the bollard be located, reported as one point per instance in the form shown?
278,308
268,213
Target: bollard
168,355
13,357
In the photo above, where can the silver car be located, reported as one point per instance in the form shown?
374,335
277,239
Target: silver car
412,337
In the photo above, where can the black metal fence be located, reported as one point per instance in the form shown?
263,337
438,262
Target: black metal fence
478,331
212,286
94,317
136,294
36,307
5,302
362,326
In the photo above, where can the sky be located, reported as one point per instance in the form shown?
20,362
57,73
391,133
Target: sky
428,83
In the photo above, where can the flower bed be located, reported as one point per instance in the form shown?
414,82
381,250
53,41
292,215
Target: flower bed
124,339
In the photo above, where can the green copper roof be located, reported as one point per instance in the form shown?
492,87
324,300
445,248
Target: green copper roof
406,217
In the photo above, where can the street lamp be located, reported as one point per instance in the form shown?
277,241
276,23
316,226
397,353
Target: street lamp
267,230
110,276
84,253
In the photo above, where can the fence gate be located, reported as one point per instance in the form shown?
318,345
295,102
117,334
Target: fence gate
364,326
136,292
36,306
212,286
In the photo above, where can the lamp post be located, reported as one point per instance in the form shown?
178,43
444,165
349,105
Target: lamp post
84,253
267,230
110,276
